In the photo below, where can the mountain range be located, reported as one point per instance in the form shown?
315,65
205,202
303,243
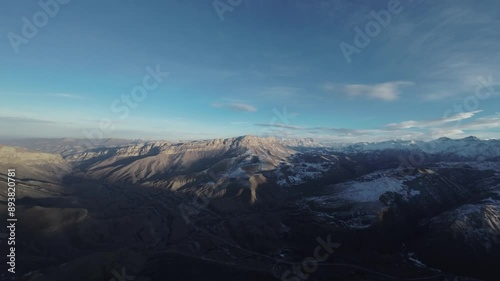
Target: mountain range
250,208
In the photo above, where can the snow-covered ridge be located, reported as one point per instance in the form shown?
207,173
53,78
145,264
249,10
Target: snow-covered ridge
300,142
476,224
466,147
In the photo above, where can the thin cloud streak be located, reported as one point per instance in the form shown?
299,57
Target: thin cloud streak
282,126
389,91
415,130
431,123
9,119
489,122
67,96
236,107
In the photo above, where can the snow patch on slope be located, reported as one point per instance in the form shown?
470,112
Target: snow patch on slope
369,191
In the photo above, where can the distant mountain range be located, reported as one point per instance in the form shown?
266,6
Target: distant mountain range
401,208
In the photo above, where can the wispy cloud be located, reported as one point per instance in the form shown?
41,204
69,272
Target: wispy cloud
281,92
319,130
67,96
438,95
282,126
16,120
489,122
236,107
328,87
345,131
451,43
457,125
239,123
431,123
388,91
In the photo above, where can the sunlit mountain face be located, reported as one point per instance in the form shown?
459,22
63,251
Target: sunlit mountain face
249,140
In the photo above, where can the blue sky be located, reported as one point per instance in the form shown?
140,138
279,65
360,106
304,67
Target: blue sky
261,67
